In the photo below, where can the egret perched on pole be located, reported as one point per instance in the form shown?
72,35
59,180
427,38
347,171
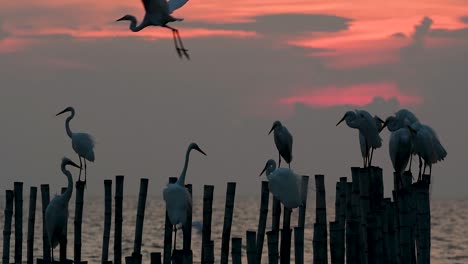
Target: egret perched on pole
284,184
366,124
283,142
82,143
56,213
177,197
405,117
158,13
400,145
427,146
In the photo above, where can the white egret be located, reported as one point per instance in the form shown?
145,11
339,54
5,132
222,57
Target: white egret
405,117
427,146
82,143
400,145
368,133
56,213
177,197
283,142
158,13
284,184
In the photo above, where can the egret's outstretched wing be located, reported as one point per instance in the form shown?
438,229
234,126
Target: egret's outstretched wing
175,4
154,6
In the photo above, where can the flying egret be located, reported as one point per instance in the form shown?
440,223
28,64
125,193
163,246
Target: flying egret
283,142
177,197
368,133
158,13
82,143
427,145
56,213
400,145
284,184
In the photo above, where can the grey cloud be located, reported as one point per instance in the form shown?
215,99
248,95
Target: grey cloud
455,33
399,35
421,31
464,19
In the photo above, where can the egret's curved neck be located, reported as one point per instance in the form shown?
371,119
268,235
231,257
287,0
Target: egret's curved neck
269,170
133,24
352,121
181,180
67,123
67,194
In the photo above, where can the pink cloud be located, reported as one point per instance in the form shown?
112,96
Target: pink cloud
13,44
356,95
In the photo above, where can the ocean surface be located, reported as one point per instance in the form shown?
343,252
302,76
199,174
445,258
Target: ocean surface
449,228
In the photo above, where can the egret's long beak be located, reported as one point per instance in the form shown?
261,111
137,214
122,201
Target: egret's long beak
65,110
341,120
120,19
264,169
383,126
273,127
73,164
201,151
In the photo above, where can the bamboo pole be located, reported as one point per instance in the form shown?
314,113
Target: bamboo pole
79,201
264,199
155,258
303,206
376,189
276,214
207,217
107,219
209,252
364,186
340,219
118,219
405,225
334,242
372,239
63,243
45,241
298,245
9,197
31,222
272,237
251,247
351,234
187,232
168,233
356,208
136,255
18,188
424,220
228,212
285,247
386,231
236,251
320,244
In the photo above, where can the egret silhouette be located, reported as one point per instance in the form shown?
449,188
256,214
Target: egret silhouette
284,184
400,146
158,13
176,196
283,142
82,143
427,146
368,133
406,117
56,213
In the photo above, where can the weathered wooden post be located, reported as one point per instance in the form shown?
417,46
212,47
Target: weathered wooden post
118,219
228,212
371,224
209,252
405,225
236,251
136,255
9,196
364,181
393,234
298,245
251,247
168,233
285,246
79,201
107,221
320,244
45,241
334,242
423,220
340,218
155,258
276,214
63,244
265,195
187,233
31,222
18,188
272,237
207,217
386,231
303,206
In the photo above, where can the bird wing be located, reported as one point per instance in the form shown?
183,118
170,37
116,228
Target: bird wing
83,144
285,186
177,203
155,6
400,149
175,4
369,129
284,143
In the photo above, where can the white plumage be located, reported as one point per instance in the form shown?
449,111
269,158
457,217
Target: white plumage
56,213
284,184
176,196
158,13
82,143
283,141
368,133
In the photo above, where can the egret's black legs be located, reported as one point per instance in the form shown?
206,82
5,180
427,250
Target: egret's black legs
84,170
370,159
178,42
279,160
182,48
81,166
175,236
420,166
410,160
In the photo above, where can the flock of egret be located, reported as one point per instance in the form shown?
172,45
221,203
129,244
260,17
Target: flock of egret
408,137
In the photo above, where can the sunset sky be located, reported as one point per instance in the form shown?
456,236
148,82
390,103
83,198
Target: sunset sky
304,62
